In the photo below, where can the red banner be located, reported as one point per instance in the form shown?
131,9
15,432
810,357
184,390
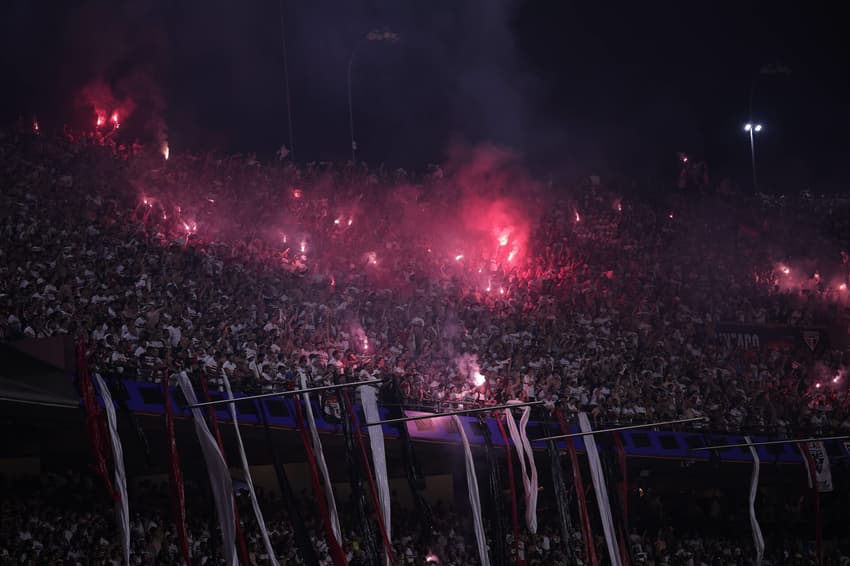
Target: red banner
373,490
514,512
95,424
175,475
579,484
336,552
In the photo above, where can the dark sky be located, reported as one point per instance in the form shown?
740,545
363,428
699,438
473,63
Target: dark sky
574,86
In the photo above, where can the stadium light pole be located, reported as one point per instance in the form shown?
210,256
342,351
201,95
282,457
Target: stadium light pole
380,36
753,129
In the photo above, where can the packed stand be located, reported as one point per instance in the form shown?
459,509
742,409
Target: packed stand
267,272
68,519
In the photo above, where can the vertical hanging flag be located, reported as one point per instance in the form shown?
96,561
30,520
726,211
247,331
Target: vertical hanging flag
320,460
415,478
601,489
587,533
529,472
362,519
563,503
242,546
261,523
820,461
758,539
302,537
498,529
175,476
514,519
812,477
222,485
474,498
122,506
379,457
95,428
334,544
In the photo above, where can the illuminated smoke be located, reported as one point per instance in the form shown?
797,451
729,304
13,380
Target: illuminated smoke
467,366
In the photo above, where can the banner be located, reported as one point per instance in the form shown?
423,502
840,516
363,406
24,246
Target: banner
529,479
514,512
584,516
758,538
222,486
367,472
474,497
258,514
95,427
175,477
302,537
379,457
415,478
498,532
563,502
757,336
811,477
122,505
334,544
240,536
362,523
320,461
820,461
597,476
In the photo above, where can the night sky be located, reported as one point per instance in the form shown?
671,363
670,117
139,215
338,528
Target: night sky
575,87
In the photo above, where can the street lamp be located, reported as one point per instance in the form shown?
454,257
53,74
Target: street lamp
380,36
751,129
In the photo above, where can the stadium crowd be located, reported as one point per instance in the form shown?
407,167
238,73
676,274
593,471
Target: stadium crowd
67,519
265,271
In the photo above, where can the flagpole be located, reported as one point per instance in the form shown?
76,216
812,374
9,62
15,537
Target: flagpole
285,393
453,413
770,442
619,428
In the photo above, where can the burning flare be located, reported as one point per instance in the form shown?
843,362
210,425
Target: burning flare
478,378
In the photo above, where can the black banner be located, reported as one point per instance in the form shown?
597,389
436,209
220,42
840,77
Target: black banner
562,500
758,336
613,474
415,477
302,537
498,535
358,494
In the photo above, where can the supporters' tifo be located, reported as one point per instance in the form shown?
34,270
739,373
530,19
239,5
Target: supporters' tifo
470,286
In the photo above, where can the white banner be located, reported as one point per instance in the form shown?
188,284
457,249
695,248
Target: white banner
601,490
523,451
222,485
122,506
758,538
474,498
261,523
379,457
320,460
